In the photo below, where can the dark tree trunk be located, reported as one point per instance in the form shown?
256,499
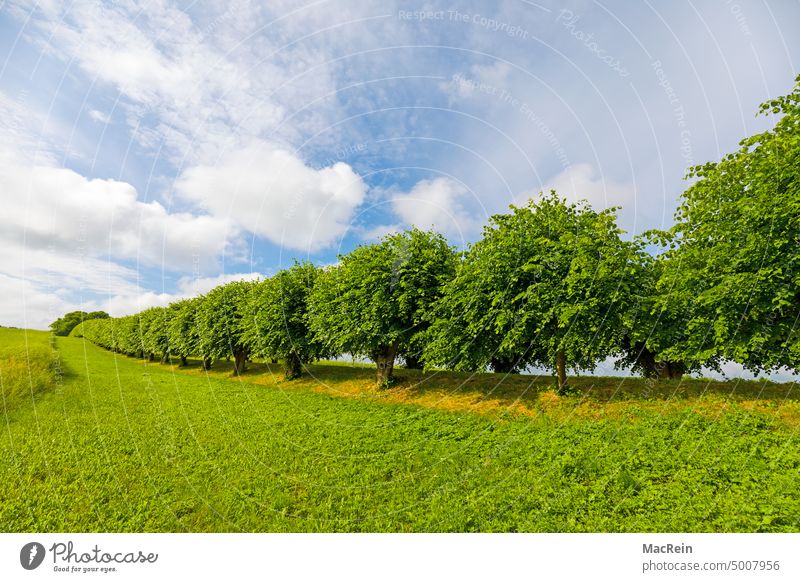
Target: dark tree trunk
151,357
651,367
239,363
183,361
413,362
503,365
561,370
384,359
164,358
292,367
670,370
274,360
206,363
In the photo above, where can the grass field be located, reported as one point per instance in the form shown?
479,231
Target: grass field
28,366
123,445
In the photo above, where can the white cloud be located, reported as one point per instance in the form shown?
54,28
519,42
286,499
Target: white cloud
56,207
582,182
99,116
442,204
206,89
271,192
62,235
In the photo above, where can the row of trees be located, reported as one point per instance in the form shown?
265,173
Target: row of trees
64,325
550,284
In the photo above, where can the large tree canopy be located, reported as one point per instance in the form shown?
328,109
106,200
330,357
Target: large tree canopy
549,284
735,261
279,319
221,321
375,302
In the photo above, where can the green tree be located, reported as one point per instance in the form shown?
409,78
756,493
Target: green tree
734,265
550,284
279,312
375,302
65,324
651,326
153,323
182,333
220,324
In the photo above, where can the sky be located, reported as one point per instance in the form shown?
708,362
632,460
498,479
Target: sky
150,151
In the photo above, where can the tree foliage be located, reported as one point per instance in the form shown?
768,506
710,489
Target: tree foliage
221,320
549,284
64,325
650,326
375,302
279,326
182,332
734,265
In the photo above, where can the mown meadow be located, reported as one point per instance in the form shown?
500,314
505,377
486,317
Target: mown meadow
121,444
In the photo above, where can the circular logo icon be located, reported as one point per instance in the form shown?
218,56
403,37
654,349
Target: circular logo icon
31,555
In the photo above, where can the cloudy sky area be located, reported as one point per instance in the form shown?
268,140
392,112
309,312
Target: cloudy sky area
153,150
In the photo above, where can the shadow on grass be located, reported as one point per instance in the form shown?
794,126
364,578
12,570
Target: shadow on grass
530,395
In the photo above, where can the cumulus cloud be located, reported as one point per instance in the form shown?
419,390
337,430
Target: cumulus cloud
271,192
442,204
583,182
49,206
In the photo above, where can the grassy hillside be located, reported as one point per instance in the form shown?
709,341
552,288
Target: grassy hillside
123,445
28,366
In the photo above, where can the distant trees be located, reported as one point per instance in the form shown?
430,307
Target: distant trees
65,324
376,301
549,284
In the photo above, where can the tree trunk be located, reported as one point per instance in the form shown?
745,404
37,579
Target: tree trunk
670,370
384,359
164,358
183,361
503,365
151,357
206,363
239,363
412,362
292,367
561,370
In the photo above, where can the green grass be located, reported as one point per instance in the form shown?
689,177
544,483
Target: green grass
28,366
122,445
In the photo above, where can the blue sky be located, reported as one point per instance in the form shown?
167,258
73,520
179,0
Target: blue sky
150,151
